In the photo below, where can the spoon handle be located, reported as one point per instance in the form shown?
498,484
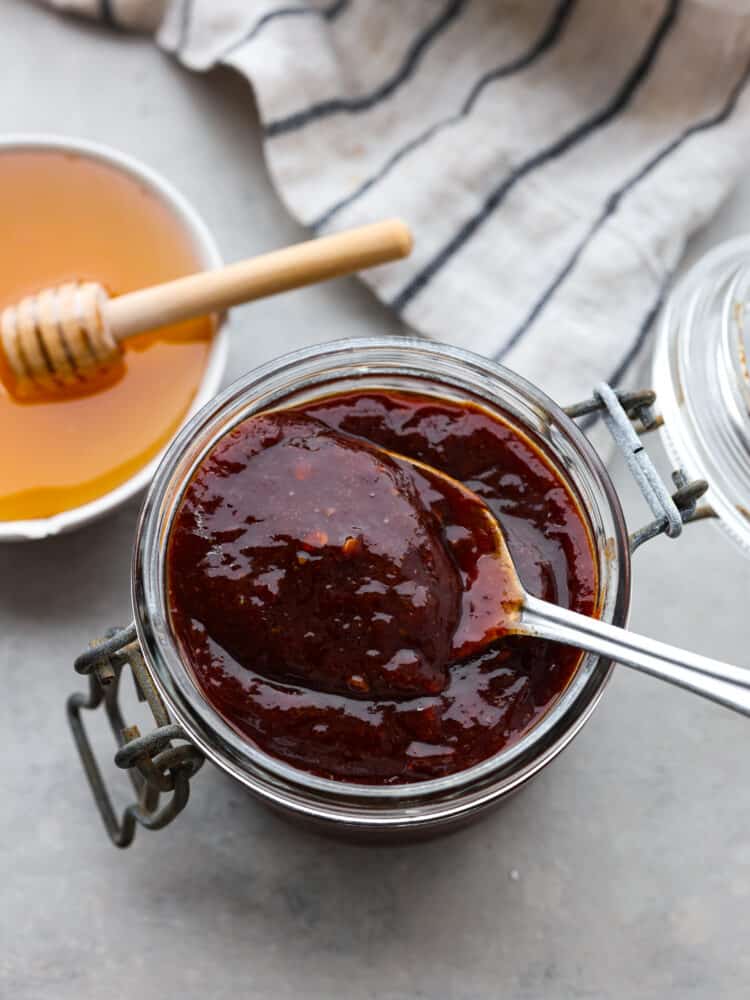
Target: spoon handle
721,682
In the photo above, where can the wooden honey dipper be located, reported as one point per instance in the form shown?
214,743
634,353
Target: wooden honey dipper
63,336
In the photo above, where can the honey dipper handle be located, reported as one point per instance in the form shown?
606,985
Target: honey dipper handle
258,277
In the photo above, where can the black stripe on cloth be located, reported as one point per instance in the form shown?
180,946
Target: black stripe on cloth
634,79
643,331
634,350
330,12
106,13
613,202
549,36
366,101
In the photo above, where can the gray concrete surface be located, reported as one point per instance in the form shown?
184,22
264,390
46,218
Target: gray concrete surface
623,872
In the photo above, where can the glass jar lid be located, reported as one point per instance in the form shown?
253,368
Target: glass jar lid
702,380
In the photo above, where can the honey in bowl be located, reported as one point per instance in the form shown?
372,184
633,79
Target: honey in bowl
68,217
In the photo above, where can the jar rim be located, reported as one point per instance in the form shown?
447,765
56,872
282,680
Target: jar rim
320,366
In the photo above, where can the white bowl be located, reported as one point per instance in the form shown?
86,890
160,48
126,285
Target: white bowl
209,257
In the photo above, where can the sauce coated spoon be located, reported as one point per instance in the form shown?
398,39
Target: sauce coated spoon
499,605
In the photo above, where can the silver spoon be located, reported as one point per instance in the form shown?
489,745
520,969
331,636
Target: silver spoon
513,611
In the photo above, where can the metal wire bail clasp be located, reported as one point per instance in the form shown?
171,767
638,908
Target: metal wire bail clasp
624,414
160,762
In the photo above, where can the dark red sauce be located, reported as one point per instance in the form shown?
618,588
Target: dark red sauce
319,586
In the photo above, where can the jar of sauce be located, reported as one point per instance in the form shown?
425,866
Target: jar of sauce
396,804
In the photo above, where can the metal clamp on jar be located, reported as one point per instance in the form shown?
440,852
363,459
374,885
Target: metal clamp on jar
188,729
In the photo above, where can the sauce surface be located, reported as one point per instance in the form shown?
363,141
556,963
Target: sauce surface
318,585
65,218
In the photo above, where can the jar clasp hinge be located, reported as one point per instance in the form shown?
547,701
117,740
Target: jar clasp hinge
159,763
625,414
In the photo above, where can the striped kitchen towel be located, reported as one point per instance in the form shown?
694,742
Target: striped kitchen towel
552,156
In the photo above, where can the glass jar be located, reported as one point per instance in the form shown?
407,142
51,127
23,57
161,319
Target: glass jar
181,711
702,377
